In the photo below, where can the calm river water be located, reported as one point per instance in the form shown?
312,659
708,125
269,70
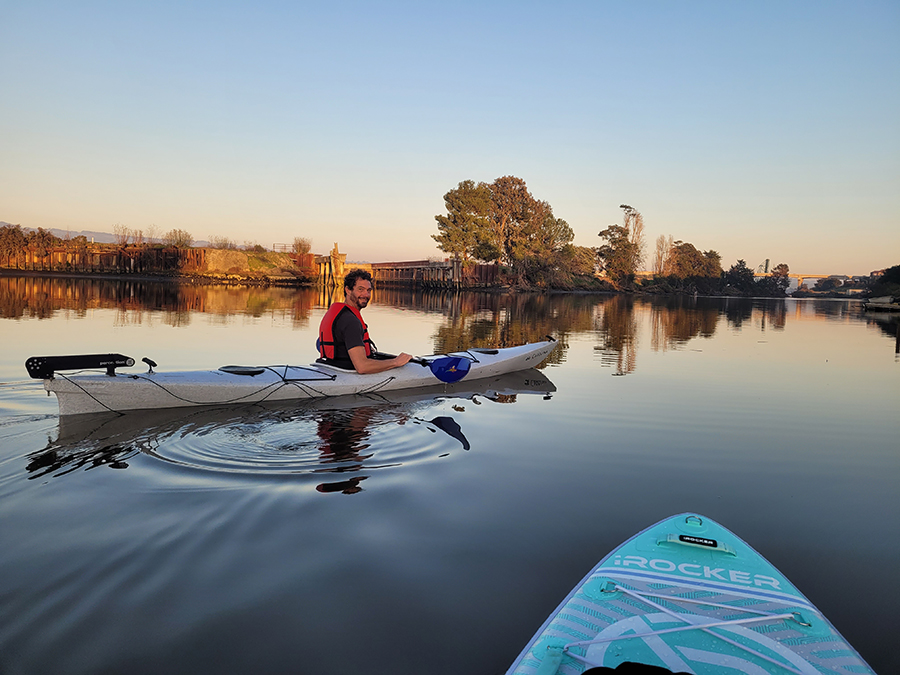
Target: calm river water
432,532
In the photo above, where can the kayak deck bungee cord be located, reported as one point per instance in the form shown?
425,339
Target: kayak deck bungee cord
111,391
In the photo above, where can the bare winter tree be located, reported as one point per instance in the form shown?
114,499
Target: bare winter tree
662,258
634,223
178,238
153,234
121,233
302,245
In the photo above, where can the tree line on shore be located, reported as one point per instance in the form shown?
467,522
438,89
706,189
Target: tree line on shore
502,222
15,241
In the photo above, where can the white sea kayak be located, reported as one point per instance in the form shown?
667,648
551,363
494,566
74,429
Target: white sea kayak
111,439
112,391
687,596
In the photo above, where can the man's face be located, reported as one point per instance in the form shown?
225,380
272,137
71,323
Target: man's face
359,295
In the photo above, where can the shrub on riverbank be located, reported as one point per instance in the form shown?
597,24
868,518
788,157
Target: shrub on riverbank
887,284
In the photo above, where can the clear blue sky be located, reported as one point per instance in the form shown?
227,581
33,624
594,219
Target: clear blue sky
759,129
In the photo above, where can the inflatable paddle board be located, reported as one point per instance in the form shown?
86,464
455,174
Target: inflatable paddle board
689,596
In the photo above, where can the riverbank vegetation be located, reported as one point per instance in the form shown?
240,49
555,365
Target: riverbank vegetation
500,223
678,266
503,223
887,283
170,255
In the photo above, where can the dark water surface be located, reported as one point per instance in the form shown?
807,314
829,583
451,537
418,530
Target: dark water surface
430,532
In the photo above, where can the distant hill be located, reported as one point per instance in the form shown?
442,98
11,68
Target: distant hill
97,237
91,235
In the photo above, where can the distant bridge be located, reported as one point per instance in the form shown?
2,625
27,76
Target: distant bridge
763,271
800,277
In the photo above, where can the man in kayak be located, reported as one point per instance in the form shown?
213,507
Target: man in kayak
343,335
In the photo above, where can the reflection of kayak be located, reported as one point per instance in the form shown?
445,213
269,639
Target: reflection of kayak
104,427
116,392
689,596
111,439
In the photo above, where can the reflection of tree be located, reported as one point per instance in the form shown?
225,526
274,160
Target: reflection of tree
302,304
618,330
412,298
13,302
677,320
737,311
830,309
500,320
889,325
41,297
773,315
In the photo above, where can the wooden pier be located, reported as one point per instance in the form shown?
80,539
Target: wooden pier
446,274
106,259
435,274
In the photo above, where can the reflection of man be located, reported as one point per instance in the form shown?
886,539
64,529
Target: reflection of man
343,335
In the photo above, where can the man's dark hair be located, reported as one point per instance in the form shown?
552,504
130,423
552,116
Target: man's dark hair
355,275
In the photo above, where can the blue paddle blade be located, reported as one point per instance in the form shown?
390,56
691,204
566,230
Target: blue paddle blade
450,368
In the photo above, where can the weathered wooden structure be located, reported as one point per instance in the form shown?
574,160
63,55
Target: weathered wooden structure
330,268
415,273
435,274
101,258
306,263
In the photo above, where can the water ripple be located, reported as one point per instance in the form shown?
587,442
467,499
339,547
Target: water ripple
324,441
344,435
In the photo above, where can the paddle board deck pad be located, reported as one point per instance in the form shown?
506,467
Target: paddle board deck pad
689,596
111,391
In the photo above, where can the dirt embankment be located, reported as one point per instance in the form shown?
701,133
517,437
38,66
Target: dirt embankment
258,266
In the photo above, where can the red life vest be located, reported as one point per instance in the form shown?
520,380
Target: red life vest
325,342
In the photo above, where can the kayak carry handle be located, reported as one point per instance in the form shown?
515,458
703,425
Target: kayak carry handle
698,542
43,367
